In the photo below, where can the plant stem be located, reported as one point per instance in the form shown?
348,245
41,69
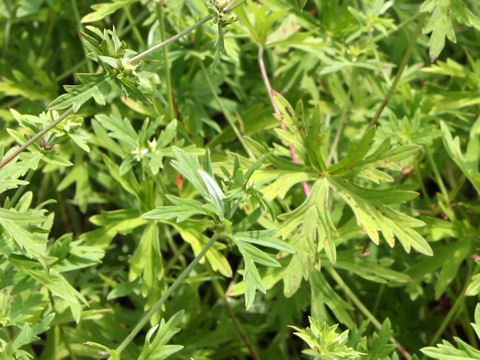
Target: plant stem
399,73
450,213
181,33
226,114
80,27
268,86
364,310
35,137
235,320
136,32
60,329
420,181
166,295
472,338
170,40
453,310
346,109
168,77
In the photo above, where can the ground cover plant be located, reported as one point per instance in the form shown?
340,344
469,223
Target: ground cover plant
278,179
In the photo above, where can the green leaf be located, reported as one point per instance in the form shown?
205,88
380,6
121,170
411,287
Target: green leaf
263,238
34,243
182,210
447,351
155,347
120,129
374,215
29,334
463,351
197,241
467,162
93,86
325,341
102,10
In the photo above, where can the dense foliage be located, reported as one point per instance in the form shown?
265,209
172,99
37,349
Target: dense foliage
281,179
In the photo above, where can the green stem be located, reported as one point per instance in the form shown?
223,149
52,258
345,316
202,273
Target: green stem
20,190
168,77
136,32
80,27
343,117
170,40
8,26
181,33
47,35
165,296
62,334
226,113
453,310
364,310
441,184
472,338
35,137
420,180
399,73
236,321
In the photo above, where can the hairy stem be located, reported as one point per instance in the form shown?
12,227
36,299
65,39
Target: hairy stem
166,295
35,137
268,86
180,34
169,40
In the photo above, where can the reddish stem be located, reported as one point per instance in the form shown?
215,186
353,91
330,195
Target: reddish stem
266,81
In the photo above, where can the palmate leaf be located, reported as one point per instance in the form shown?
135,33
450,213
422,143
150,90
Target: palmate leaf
440,23
94,86
54,281
315,233
374,214
10,174
325,341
